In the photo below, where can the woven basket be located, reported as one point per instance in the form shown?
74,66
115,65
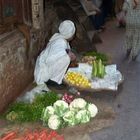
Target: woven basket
90,89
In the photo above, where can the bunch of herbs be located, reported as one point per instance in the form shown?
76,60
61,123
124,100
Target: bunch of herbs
26,112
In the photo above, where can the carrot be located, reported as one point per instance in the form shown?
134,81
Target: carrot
53,133
43,135
30,137
9,136
36,135
59,137
20,138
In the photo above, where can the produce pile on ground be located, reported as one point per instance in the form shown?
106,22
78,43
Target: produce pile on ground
80,80
54,112
26,112
32,135
94,59
62,114
89,57
77,79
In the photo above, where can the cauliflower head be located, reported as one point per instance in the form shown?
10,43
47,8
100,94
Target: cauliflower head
54,122
78,103
92,108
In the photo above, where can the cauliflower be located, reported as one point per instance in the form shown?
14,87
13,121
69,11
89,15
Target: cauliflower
50,110
60,107
78,103
92,109
69,117
46,113
54,122
83,116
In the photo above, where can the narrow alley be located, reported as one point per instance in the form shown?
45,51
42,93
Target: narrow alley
126,103
48,88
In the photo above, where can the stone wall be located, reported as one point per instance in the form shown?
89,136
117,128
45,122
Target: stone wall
20,48
18,52
15,74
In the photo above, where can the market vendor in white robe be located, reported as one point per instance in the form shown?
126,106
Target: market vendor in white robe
54,60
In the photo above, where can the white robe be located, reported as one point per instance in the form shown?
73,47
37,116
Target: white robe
53,62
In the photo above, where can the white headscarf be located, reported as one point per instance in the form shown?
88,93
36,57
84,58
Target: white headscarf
66,30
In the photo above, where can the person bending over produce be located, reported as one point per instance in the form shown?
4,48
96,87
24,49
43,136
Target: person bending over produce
54,60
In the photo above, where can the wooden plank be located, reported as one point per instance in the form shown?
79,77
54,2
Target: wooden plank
89,7
27,12
0,11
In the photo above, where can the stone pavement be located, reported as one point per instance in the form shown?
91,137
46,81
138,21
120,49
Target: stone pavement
126,103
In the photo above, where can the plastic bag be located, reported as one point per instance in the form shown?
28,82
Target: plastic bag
29,96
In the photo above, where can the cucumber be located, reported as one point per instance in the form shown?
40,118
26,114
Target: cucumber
102,72
94,69
99,68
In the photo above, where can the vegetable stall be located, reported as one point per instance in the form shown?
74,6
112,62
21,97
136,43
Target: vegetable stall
64,115
61,114
94,73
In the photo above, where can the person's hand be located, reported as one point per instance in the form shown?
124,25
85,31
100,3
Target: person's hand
98,11
72,56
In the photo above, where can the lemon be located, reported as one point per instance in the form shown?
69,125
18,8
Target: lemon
77,79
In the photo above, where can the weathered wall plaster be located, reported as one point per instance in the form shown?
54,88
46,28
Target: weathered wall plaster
15,74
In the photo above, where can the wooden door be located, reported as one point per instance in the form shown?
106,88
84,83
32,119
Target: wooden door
9,11
14,12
